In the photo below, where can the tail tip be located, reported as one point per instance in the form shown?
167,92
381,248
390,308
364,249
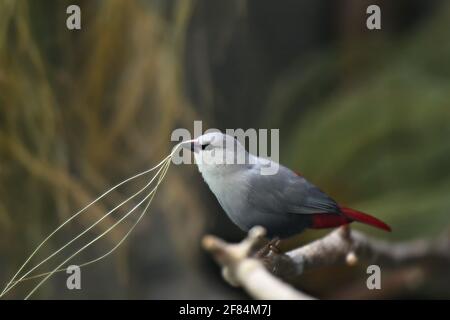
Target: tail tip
386,228
365,218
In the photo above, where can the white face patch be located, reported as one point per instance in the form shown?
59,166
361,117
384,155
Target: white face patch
219,150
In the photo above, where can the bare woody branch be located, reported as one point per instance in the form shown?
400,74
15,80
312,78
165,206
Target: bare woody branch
347,246
260,271
240,269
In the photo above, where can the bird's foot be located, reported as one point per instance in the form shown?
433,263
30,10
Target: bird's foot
273,245
269,248
275,260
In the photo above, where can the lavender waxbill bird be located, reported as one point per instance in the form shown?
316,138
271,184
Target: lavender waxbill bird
283,203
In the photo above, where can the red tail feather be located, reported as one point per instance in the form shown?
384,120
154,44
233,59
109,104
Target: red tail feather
364,218
326,220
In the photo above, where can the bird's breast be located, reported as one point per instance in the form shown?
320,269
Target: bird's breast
231,192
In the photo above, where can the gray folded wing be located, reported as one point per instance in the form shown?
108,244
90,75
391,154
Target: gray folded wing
286,192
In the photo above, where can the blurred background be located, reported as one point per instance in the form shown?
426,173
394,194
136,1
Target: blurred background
363,114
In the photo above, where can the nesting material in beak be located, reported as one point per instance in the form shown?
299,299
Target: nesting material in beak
191,145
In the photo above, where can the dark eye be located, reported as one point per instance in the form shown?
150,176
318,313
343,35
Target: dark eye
204,146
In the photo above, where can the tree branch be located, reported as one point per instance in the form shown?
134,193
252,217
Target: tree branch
347,246
260,271
240,269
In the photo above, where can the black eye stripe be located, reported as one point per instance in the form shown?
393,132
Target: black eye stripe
204,146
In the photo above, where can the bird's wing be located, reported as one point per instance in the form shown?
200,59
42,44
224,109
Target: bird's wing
286,192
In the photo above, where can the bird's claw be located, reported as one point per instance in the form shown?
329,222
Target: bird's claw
270,248
273,246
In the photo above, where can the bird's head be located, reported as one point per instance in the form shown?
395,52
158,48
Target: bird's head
215,151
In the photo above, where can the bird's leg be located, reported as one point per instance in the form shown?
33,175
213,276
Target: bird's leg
269,248
278,263
273,245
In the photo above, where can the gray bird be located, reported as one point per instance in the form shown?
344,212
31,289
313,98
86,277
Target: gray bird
284,203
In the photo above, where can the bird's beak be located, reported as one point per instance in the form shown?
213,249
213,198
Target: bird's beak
192,145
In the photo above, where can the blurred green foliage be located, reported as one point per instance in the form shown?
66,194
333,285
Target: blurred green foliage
381,143
81,111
